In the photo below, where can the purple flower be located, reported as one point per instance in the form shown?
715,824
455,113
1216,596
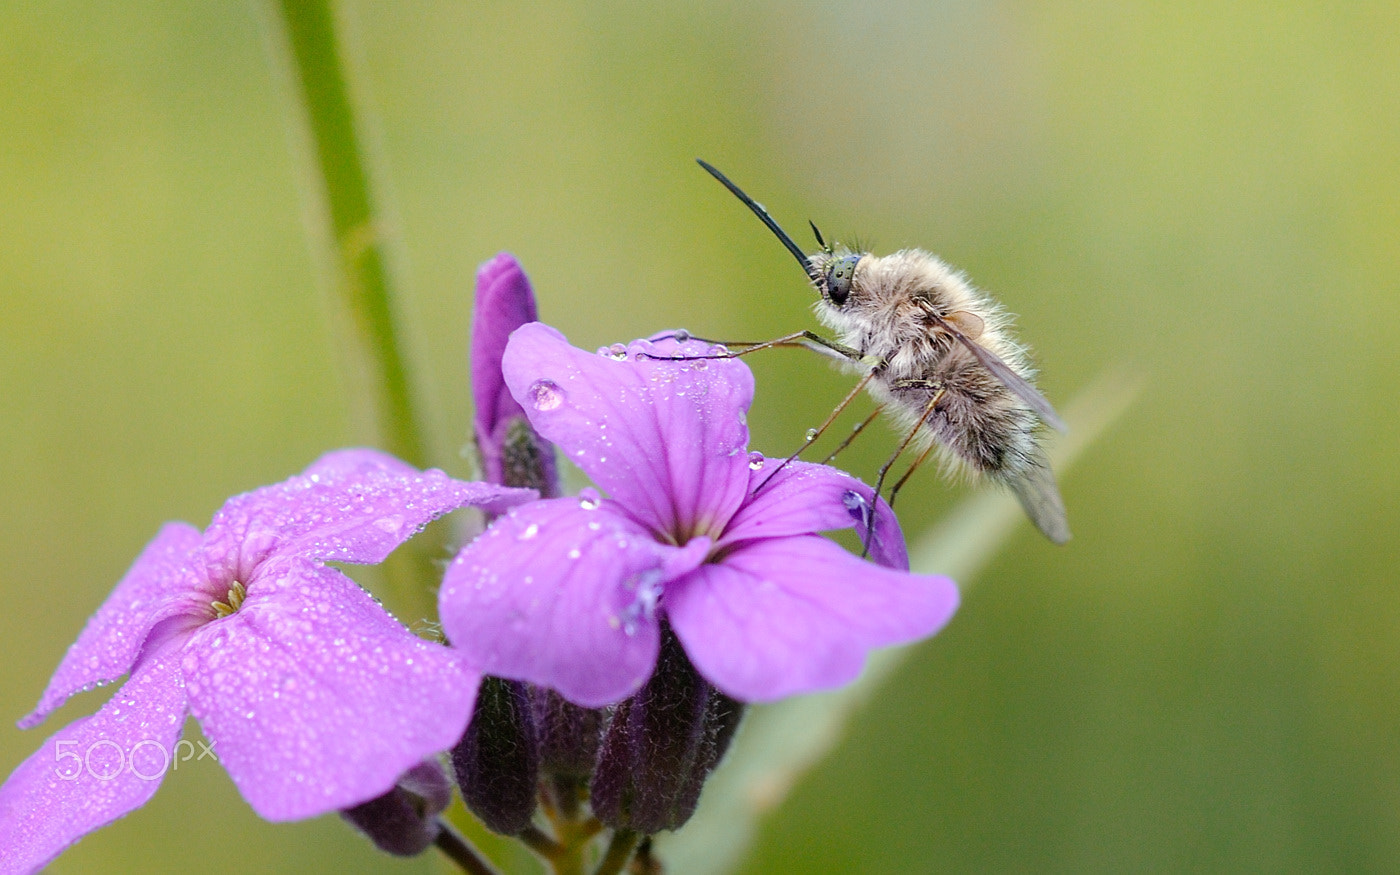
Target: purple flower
571,593
314,698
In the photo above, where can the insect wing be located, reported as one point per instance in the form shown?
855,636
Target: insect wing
1039,496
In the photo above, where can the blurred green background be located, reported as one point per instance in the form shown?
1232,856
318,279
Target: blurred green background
1206,196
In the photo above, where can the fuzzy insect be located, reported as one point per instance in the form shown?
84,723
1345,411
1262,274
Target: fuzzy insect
938,356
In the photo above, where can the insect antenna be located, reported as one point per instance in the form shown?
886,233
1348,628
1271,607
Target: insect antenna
758,210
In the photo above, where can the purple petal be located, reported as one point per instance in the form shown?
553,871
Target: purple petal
94,770
112,639
795,615
664,438
804,498
504,302
350,506
315,698
563,594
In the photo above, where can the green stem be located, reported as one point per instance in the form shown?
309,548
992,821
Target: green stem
618,853
460,851
316,60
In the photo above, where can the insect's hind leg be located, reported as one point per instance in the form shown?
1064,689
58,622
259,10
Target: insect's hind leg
819,430
855,432
904,444
894,491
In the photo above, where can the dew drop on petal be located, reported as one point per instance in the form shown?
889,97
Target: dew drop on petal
858,507
546,394
530,531
617,352
681,335
389,524
755,461
589,499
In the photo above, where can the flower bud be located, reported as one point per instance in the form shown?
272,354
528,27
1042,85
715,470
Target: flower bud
403,822
497,761
661,745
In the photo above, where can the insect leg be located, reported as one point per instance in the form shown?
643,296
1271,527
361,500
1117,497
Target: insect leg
806,339
912,468
817,432
885,468
860,427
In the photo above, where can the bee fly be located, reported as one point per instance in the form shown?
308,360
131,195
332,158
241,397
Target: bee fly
937,355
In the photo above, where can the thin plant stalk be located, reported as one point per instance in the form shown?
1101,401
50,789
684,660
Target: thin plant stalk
349,234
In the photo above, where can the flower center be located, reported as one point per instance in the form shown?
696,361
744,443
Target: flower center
233,601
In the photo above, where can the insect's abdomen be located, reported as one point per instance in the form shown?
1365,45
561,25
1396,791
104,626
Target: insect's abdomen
979,421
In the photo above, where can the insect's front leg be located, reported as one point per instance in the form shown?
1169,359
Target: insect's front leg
805,339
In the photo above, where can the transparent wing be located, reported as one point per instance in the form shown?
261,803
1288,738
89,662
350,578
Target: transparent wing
1002,371
1041,499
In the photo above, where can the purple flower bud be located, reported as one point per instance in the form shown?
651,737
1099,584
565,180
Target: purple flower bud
661,745
403,822
512,454
497,761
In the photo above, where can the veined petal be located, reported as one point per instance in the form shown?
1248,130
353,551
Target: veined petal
317,699
95,769
667,439
795,615
804,498
563,594
350,506
113,637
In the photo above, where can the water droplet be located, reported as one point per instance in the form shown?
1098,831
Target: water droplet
811,435
389,524
617,352
681,335
575,553
701,364
546,395
755,461
531,530
858,507
589,499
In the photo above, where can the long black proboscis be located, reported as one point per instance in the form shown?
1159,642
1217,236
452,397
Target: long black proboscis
762,214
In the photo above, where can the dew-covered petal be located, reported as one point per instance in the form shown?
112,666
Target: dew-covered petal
112,639
94,770
317,699
350,506
563,594
665,438
803,498
796,615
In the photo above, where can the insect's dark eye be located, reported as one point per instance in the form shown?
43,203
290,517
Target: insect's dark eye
838,279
